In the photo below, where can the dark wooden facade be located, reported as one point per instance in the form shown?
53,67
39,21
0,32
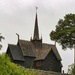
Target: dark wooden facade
29,62
35,54
51,63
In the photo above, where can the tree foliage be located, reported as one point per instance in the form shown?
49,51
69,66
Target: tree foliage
9,68
71,69
1,37
64,33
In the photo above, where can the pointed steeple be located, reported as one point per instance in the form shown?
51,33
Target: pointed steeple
36,30
36,40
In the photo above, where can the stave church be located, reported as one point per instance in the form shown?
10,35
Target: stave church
34,53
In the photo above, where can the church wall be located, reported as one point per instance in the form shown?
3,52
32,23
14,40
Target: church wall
51,63
14,61
18,62
38,64
9,54
28,62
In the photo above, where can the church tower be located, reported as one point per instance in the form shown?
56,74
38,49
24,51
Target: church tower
36,40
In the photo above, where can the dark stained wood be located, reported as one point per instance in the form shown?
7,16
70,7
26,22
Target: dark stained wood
35,54
50,63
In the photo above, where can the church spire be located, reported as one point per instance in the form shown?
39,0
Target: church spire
36,40
36,30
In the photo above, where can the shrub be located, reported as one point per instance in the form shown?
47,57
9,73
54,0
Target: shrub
9,68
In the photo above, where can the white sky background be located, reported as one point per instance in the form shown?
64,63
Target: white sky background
18,16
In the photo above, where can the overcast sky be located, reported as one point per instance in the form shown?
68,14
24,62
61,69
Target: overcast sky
18,16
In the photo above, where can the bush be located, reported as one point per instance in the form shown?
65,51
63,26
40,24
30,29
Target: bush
9,68
71,69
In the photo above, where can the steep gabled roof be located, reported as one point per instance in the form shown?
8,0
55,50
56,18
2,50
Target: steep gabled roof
16,52
27,48
42,54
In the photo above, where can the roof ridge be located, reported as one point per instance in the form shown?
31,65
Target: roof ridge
12,44
23,40
48,44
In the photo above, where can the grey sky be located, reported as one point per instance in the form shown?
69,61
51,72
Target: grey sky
18,16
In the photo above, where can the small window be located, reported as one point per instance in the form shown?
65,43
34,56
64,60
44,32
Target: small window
38,63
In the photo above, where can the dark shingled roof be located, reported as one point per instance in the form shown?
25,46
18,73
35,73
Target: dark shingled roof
16,52
42,53
28,49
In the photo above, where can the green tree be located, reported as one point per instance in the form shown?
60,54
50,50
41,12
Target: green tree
71,69
64,34
1,37
9,68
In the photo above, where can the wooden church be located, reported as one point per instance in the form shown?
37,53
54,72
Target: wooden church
35,54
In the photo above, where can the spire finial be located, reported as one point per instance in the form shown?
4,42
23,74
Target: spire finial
36,8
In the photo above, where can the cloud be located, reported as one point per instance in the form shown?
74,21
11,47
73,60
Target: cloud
9,6
12,6
58,5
